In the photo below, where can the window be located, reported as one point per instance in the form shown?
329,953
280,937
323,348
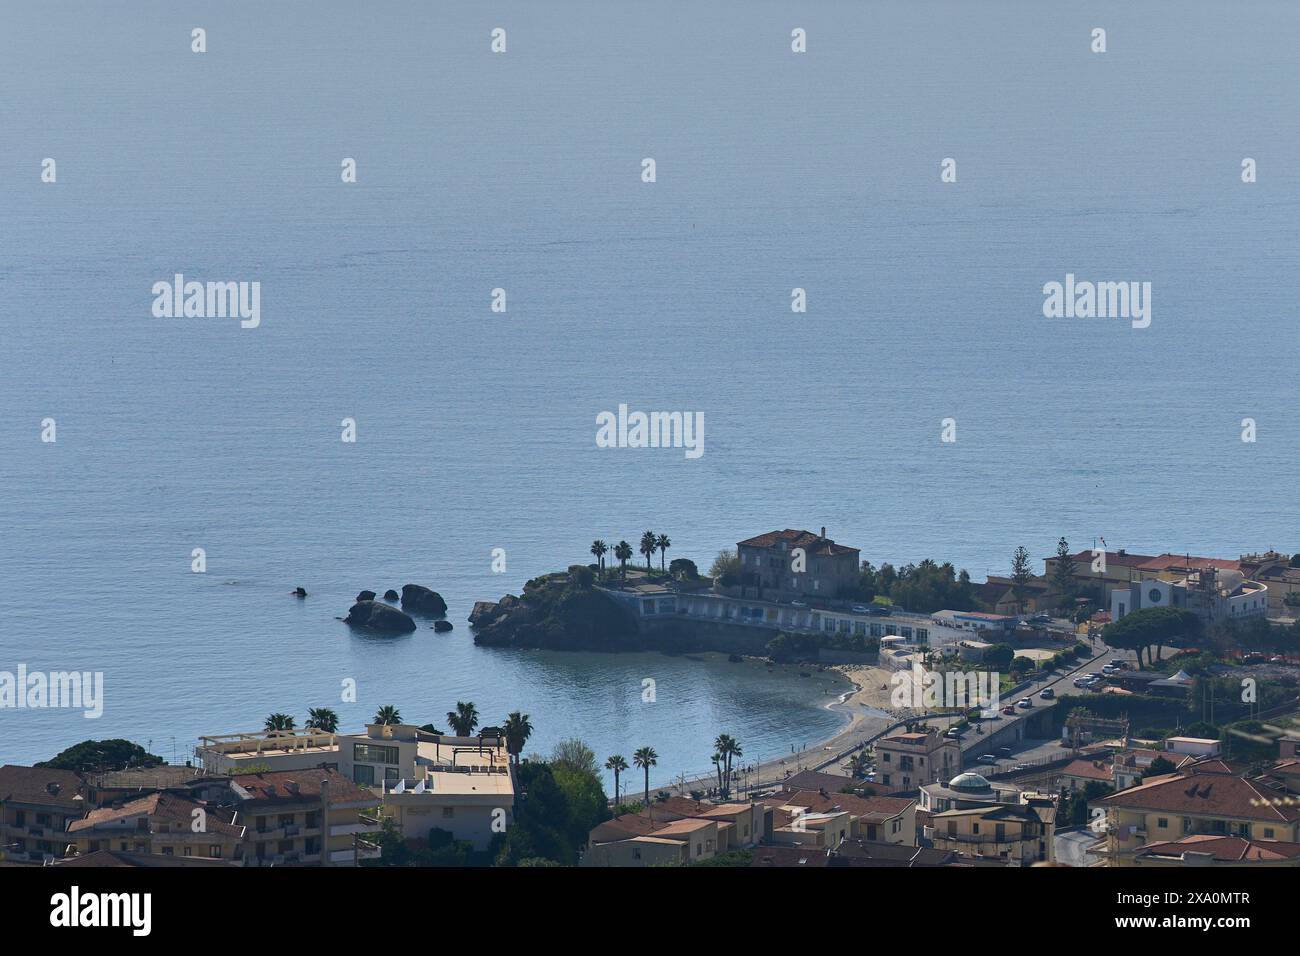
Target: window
168,851
370,753
185,851
214,851
312,846
922,634
1268,833
365,776
390,775
1162,823
285,846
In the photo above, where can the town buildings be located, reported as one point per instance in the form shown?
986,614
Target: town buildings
1202,798
288,817
36,806
463,785
910,760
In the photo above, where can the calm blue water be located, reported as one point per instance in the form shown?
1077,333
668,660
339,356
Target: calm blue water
476,430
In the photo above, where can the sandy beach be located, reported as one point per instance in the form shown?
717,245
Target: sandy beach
867,711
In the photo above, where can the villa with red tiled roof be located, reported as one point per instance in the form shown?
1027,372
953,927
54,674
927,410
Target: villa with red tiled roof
795,564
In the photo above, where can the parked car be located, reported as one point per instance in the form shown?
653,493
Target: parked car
1040,620
1004,751
860,609
1118,662
879,610
1047,693
1082,682
1024,702
988,758
1009,711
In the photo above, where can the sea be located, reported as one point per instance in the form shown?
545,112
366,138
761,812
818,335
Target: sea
524,171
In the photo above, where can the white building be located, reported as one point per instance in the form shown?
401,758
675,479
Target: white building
1212,593
463,785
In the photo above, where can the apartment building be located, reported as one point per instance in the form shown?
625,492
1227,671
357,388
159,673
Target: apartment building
909,761
36,806
1205,797
1015,834
875,819
462,785
306,817
161,824
640,839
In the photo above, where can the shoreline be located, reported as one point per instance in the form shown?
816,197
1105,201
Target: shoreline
862,719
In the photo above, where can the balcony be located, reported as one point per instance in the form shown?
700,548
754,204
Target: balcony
345,829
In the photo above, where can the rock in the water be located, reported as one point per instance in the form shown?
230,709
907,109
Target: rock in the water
420,600
366,596
376,616
485,612
442,627
391,595
300,592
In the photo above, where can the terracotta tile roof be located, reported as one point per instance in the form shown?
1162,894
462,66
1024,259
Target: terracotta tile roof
815,780
1088,770
1225,848
290,786
54,788
810,857
1168,561
161,808
811,543
1207,788
872,808
682,827
1083,559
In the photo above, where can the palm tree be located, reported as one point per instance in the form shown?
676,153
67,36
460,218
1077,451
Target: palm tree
623,552
648,545
663,544
463,719
716,759
276,722
727,749
646,758
388,714
323,719
858,764
518,728
598,548
617,764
